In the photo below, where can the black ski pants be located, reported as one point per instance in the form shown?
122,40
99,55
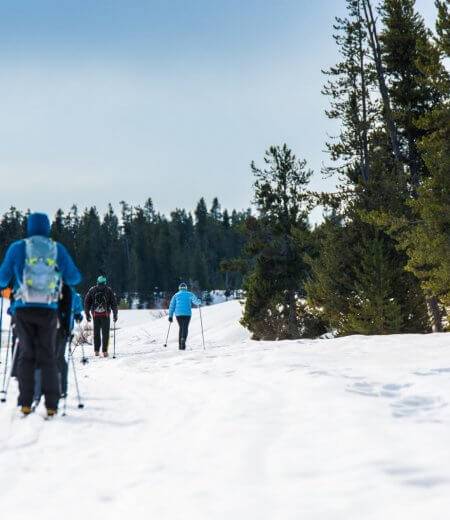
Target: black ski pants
61,363
183,322
36,329
101,333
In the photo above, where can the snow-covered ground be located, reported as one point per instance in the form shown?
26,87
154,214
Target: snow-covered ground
351,429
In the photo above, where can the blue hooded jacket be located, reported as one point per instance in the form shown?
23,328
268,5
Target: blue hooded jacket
12,267
77,308
181,303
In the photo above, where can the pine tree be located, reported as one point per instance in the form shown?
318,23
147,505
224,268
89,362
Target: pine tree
406,48
215,211
375,307
359,284
330,285
416,77
201,219
113,254
348,88
12,227
426,235
358,266
89,246
277,241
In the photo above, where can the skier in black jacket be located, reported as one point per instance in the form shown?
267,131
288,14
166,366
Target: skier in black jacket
100,301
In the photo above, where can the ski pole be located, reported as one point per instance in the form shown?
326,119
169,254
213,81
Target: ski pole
67,383
168,332
84,359
201,323
79,342
72,362
1,325
4,392
5,369
64,413
114,340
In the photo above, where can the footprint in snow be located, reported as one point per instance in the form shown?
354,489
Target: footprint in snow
363,388
426,482
415,405
415,477
319,373
432,372
390,390
296,366
353,378
393,390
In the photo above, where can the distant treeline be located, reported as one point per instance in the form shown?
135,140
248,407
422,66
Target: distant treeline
141,251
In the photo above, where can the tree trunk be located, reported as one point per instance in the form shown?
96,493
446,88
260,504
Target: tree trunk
387,110
435,313
365,125
292,318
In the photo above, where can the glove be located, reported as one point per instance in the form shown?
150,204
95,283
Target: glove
88,317
78,318
170,319
114,319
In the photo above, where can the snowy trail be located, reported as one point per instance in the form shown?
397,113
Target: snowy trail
353,428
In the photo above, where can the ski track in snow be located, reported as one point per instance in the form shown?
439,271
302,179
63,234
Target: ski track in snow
356,428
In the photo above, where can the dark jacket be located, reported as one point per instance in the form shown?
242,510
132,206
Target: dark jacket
100,294
70,308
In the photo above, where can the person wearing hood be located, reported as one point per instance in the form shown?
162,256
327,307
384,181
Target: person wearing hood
37,266
100,300
181,306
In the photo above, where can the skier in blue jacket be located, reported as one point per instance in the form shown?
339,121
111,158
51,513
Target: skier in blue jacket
181,307
37,266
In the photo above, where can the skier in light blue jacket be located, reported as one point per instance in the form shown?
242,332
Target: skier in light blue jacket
181,307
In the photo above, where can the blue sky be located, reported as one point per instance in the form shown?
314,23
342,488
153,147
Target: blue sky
110,100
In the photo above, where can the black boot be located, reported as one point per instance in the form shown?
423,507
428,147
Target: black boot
182,344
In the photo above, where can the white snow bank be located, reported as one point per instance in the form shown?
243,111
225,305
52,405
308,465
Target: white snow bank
348,429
